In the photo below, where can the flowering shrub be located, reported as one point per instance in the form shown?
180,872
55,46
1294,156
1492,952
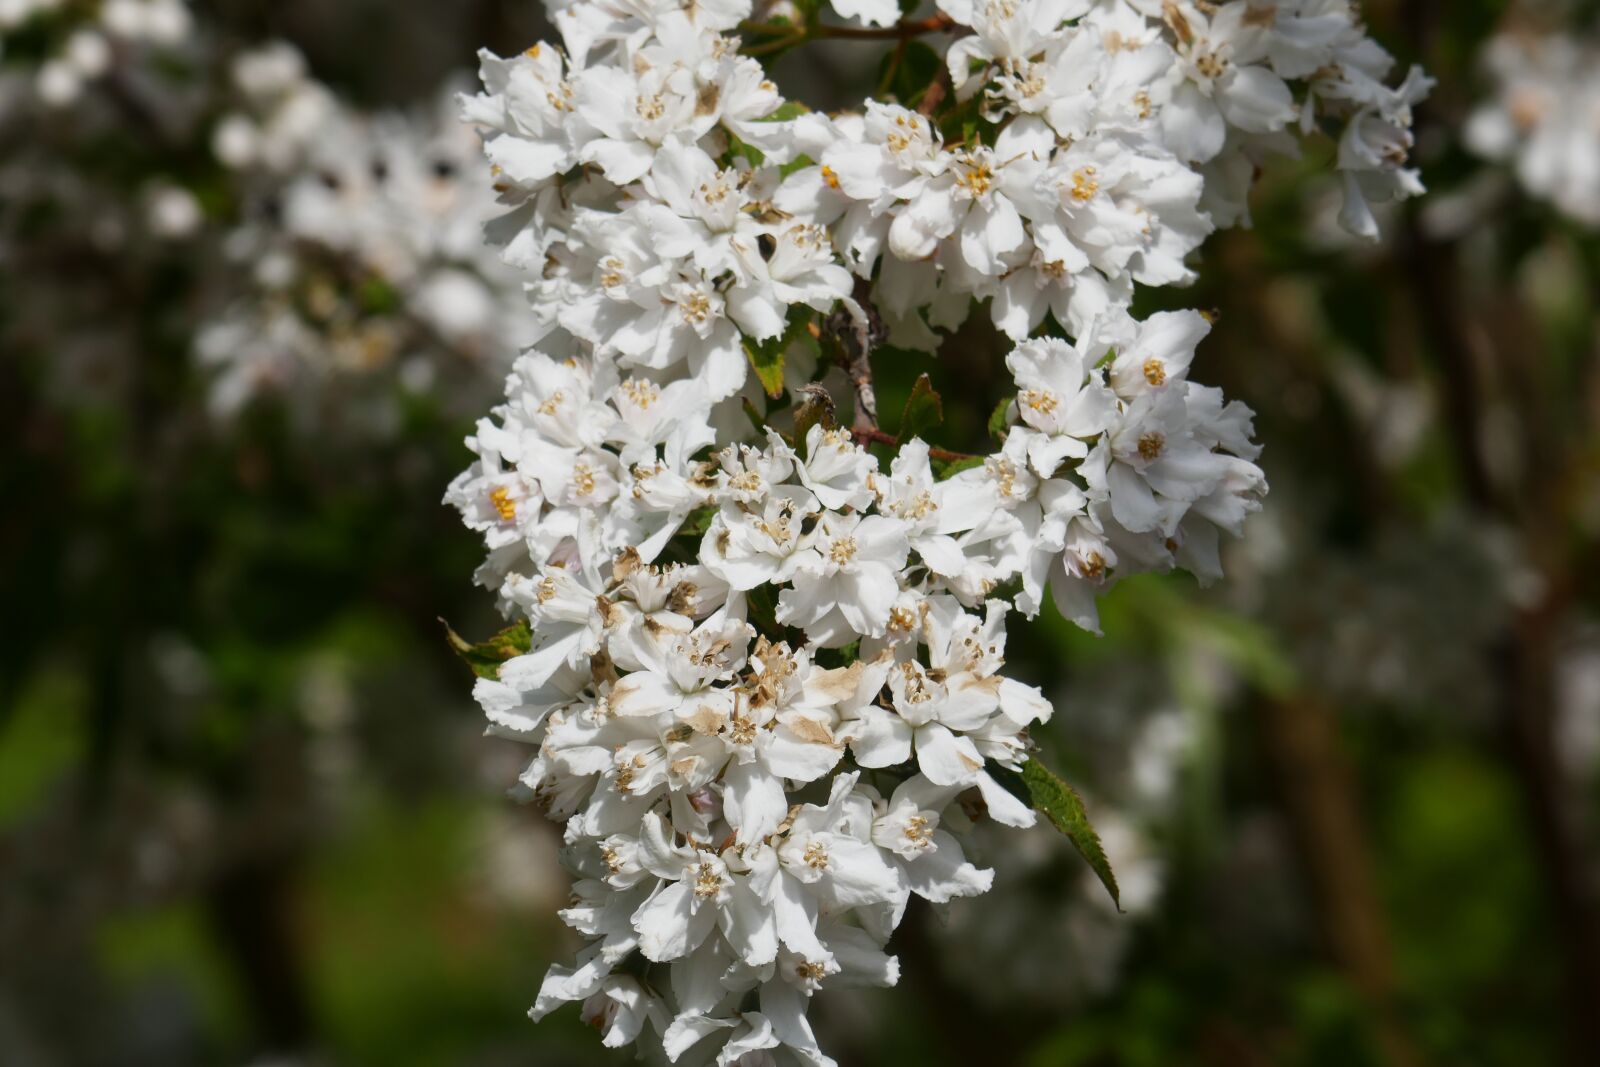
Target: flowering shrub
762,665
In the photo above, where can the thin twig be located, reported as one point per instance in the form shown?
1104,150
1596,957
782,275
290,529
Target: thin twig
882,437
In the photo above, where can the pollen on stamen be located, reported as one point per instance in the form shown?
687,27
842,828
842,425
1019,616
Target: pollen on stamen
707,881
1085,186
500,497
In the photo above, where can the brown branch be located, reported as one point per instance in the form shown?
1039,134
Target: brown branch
881,437
1320,796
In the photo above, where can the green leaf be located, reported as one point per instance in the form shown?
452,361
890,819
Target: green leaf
1061,804
951,468
800,162
485,658
789,109
908,73
835,658
766,357
763,607
738,149
923,410
698,522
1000,421
757,420
377,297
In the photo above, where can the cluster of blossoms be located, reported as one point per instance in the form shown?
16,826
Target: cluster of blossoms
1103,141
362,246
763,673
1544,118
334,242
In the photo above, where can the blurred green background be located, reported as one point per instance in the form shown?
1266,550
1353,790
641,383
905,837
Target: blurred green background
247,814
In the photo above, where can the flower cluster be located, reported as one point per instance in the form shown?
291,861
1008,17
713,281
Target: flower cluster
830,611
762,666
1544,118
333,242
362,247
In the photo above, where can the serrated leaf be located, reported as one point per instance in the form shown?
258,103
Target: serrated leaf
923,410
1000,420
1061,804
486,657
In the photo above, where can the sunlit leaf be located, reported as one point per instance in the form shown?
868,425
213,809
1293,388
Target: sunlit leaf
486,657
1061,804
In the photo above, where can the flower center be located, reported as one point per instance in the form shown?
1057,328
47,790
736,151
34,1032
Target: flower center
1155,371
1041,400
651,108
1150,446
696,307
583,479
642,393
976,179
1084,184
843,550
500,497
707,881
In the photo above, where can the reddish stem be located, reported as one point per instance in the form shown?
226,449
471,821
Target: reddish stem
866,437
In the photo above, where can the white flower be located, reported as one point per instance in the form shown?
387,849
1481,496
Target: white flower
1060,398
1226,81
846,580
836,469
697,894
